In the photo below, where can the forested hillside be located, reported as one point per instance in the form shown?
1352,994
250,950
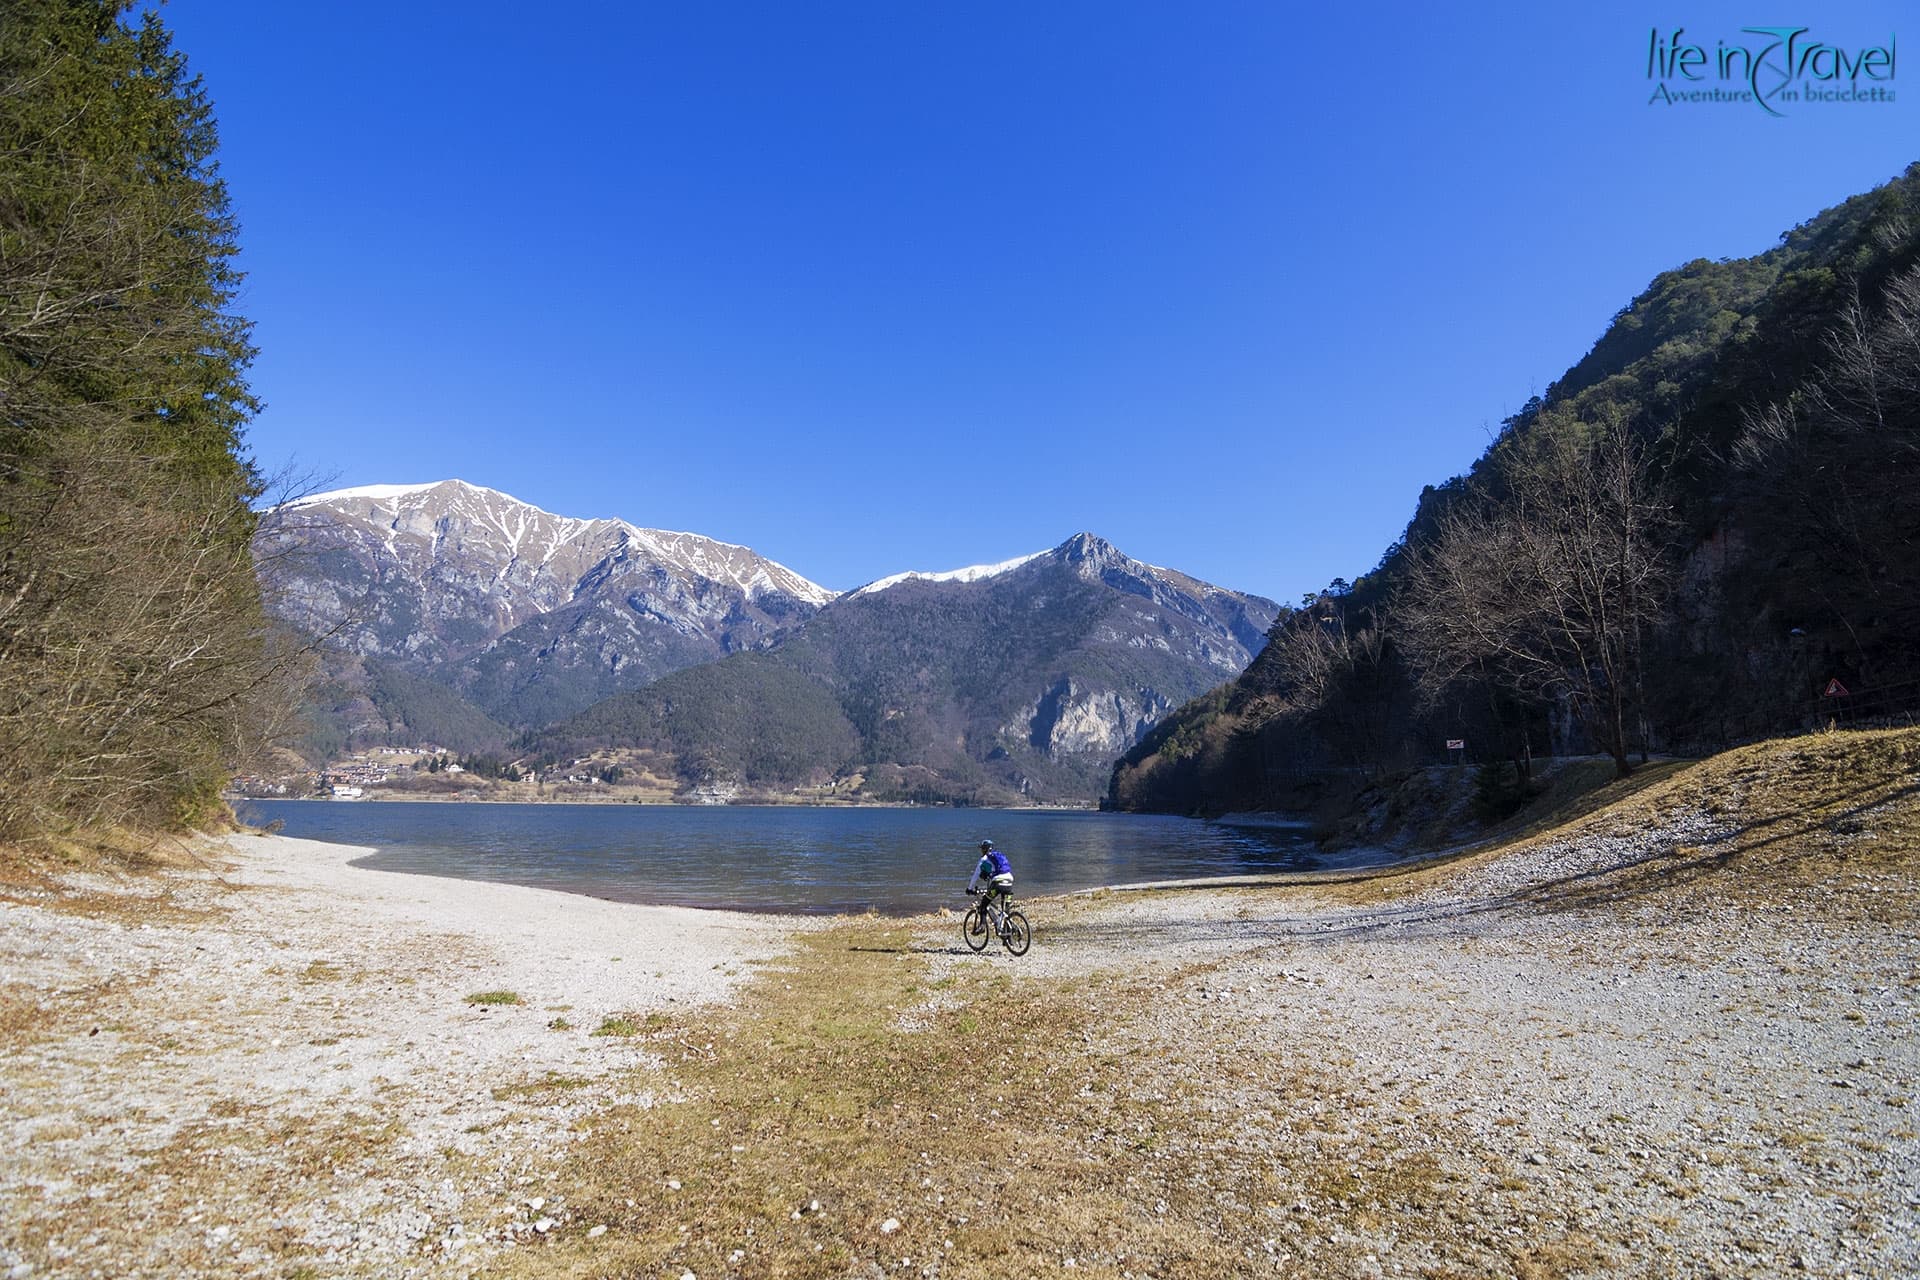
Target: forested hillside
135,663
1707,531
1021,684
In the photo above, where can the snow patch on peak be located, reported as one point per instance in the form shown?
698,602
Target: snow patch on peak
388,492
525,531
657,539
724,562
972,573
375,492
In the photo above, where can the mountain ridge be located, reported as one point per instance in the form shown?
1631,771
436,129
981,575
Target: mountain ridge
1019,684
463,615
684,548
527,615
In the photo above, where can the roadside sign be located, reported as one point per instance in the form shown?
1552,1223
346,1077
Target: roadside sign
1835,689
1456,744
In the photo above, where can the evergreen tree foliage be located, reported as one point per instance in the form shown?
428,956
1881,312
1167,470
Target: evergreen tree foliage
134,659
413,709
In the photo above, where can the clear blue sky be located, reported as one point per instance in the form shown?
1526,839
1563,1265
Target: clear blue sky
874,287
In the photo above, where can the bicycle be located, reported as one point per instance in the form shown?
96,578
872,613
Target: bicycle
1015,934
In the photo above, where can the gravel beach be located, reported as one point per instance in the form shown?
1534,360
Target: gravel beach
1617,1062
1583,1056
274,1053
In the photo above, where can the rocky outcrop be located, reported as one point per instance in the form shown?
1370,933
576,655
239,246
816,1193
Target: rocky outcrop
1071,718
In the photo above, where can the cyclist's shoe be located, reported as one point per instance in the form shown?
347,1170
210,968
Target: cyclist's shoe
980,928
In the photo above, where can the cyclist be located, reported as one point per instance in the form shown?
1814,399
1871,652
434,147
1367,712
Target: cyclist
995,874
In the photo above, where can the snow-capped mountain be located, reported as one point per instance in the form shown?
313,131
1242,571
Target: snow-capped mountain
460,613
528,614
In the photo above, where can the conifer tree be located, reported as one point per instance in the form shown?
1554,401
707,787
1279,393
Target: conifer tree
133,648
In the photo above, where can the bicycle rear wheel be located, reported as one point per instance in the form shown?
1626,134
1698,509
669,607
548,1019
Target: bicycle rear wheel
974,930
1017,935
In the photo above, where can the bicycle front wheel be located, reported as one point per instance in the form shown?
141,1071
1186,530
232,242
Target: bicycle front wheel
1017,935
974,930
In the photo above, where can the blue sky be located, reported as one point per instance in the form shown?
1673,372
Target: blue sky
874,287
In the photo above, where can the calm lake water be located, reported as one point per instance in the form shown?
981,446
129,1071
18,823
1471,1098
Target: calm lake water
897,861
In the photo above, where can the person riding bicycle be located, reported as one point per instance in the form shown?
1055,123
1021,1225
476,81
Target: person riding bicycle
995,874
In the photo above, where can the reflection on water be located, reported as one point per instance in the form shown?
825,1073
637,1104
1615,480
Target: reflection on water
781,859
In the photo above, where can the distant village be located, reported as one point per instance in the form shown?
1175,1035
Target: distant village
430,771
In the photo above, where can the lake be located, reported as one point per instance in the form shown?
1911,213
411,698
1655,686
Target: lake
781,859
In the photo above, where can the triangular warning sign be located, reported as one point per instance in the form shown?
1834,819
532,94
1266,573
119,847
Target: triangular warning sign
1835,689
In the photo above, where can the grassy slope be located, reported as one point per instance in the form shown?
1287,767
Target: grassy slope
1007,1125
1806,814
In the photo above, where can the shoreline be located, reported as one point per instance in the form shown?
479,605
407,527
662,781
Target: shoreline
1367,863
912,895
1656,1040
636,803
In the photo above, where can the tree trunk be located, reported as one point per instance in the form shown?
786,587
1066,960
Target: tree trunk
1617,733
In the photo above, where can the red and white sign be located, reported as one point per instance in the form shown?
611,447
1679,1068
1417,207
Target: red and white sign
1456,744
1835,689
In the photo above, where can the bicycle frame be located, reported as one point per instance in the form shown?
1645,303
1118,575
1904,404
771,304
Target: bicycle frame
996,908
1000,919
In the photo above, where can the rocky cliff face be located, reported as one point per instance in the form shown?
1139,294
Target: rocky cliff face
1169,610
528,614
1154,638
1072,719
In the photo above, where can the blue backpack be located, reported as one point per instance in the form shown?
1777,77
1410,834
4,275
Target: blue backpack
1001,867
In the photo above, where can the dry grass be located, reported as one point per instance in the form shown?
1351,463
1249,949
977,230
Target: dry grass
818,1095
113,849
322,971
131,902
1580,788
111,875
547,1090
1001,1127
23,1013
240,1158
1815,819
1823,822
30,1014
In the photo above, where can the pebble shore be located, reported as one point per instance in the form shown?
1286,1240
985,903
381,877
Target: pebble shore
275,1059
1683,1085
275,1056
